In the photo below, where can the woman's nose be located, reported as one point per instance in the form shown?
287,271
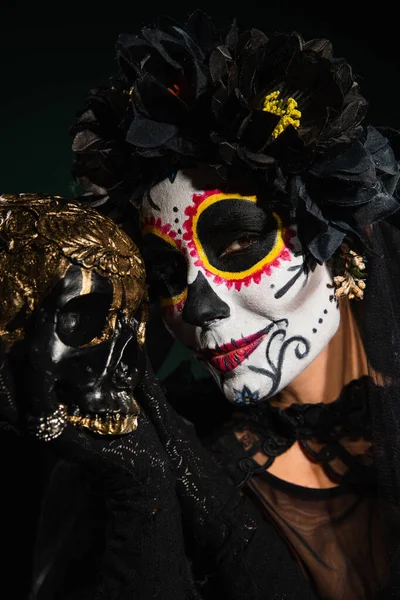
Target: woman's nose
202,304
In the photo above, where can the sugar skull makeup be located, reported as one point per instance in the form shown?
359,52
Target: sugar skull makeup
234,284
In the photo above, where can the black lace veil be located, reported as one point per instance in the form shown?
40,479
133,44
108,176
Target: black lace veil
378,318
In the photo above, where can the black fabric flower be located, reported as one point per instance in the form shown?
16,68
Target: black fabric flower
170,79
282,100
349,192
278,111
343,194
103,162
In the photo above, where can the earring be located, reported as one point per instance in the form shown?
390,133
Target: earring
350,273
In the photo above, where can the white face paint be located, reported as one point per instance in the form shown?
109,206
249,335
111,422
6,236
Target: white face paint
234,286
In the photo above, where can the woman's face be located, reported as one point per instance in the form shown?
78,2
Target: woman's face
234,285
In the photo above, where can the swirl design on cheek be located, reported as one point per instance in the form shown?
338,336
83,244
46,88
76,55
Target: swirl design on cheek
279,252
151,225
301,351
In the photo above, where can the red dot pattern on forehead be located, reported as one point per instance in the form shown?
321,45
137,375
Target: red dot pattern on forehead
279,253
164,231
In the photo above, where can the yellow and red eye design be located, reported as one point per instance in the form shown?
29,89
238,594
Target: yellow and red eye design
202,230
175,303
168,246
151,225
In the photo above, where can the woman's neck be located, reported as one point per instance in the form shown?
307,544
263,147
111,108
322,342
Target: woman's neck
341,361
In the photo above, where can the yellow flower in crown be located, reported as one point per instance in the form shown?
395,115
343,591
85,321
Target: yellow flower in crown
285,109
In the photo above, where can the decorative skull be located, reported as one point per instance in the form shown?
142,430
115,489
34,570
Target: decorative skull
73,309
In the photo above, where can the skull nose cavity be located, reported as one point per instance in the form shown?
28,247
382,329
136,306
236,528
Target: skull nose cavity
122,375
124,362
203,305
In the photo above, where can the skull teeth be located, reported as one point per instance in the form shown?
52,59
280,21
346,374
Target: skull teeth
108,423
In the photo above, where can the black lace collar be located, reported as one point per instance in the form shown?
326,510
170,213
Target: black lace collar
319,428
348,415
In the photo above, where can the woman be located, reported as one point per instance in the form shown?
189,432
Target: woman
267,206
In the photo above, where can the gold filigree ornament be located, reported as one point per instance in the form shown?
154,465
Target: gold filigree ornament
285,109
41,237
350,280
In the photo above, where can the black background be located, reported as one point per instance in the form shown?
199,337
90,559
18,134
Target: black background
50,57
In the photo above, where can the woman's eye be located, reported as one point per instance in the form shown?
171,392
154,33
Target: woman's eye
164,270
166,278
171,267
239,244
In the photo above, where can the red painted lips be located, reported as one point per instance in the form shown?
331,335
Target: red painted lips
229,356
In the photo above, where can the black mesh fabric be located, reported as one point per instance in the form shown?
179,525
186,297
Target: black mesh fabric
336,533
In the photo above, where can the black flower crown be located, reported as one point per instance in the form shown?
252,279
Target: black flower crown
278,110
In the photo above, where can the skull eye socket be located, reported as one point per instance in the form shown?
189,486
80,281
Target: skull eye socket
83,319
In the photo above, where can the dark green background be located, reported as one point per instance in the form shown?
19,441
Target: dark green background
50,57
48,65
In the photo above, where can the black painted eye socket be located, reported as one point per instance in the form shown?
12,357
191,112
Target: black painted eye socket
83,318
165,267
236,234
